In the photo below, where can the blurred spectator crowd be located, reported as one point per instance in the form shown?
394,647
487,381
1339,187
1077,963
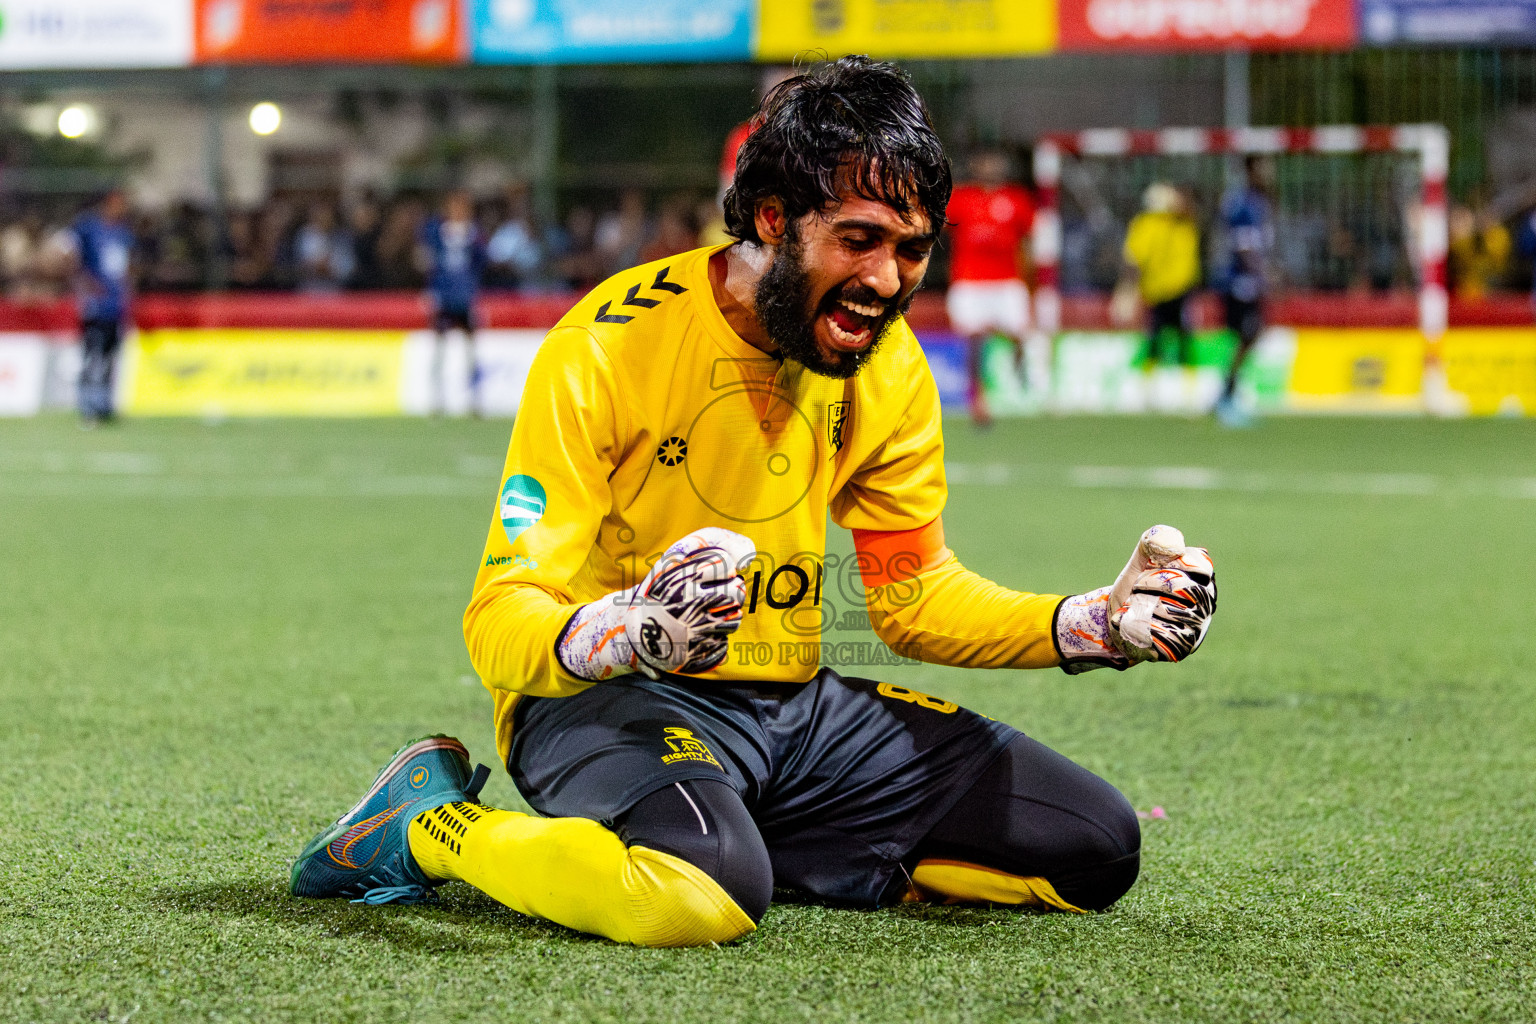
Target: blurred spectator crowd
369,242
372,242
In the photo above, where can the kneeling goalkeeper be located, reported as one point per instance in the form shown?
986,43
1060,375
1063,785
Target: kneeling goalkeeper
684,433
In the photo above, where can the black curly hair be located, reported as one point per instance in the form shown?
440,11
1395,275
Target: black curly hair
851,124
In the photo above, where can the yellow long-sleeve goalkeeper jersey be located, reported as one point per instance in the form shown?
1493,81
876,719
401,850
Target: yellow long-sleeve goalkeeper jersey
646,417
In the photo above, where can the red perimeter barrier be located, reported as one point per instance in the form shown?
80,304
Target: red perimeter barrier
408,311
355,310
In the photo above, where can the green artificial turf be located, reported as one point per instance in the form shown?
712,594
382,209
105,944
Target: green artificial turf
211,636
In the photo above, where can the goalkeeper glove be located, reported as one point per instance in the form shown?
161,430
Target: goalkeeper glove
677,619
1158,609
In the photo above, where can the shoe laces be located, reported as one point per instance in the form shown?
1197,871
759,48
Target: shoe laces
413,892
403,894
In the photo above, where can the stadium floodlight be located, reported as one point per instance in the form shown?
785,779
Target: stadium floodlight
266,118
76,120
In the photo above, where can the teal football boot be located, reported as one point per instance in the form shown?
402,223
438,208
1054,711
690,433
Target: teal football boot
365,855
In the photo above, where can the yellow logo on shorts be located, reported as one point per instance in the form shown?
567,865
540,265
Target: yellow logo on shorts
419,777
686,747
922,700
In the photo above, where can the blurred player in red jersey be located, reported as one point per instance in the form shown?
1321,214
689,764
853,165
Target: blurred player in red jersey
990,219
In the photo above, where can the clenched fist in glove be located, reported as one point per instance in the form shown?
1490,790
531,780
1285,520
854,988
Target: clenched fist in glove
677,619
1158,609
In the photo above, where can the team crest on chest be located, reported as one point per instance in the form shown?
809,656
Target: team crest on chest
837,424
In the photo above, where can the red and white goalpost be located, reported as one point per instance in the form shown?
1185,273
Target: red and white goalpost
1429,229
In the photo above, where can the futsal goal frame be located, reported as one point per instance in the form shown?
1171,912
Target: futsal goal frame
1428,143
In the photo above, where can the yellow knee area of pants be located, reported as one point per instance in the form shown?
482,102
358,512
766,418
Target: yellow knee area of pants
958,882
575,872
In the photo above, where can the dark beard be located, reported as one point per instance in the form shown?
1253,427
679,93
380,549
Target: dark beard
782,302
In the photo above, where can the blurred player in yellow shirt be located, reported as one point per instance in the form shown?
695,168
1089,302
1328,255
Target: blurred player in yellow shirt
648,607
1479,252
1161,269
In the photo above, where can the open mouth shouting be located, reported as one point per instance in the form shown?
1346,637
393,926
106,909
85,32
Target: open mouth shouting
835,336
852,326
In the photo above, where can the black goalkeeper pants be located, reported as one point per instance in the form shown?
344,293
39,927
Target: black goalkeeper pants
1032,813
837,787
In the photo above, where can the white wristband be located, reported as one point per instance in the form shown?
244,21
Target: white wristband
1082,634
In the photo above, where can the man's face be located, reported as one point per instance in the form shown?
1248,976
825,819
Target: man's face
1261,175
839,279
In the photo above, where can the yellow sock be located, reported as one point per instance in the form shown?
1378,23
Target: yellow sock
957,882
577,873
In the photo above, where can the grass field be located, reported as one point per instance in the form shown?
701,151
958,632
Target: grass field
212,636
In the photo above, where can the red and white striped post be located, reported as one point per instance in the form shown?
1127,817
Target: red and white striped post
1433,145
1045,237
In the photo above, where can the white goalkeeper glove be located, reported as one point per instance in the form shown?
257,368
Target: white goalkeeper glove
677,619
1158,609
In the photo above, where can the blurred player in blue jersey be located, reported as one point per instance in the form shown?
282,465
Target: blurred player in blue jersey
1525,245
1249,228
101,243
454,252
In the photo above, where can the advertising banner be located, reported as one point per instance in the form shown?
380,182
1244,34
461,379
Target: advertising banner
346,372
434,381
1358,370
1492,370
311,372
1206,24
1469,22
610,31
95,33
907,28
23,370
329,30
246,372
1101,372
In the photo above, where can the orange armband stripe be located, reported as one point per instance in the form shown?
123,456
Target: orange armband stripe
892,556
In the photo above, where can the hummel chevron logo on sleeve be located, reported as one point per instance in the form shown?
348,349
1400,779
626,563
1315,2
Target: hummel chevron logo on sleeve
634,298
663,284
604,317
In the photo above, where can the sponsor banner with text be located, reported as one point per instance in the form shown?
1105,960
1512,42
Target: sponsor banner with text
317,372
1206,24
1448,22
610,31
95,33
283,31
1100,372
247,372
323,372
1491,370
906,28
23,373
1359,370
435,378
